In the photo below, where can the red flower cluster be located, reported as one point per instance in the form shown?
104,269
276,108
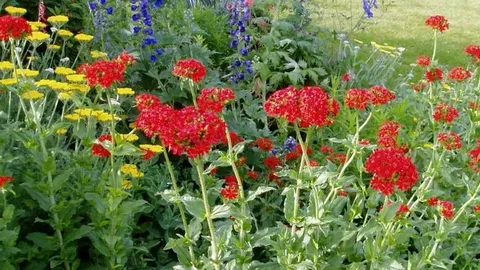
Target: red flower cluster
445,113
433,201
264,144
419,86
103,72
459,74
191,69
98,149
125,58
423,61
148,154
233,137
253,174
380,95
340,158
357,98
476,209
390,169
342,193
450,140
446,208
297,152
145,102
437,22
155,118
4,179
272,162
434,75
475,158
229,192
474,52
213,99
403,209
387,134
310,106
346,77
13,27
327,149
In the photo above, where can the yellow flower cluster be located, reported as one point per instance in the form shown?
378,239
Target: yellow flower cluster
32,94
82,113
128,137
5,65
8,81
54,47
98,54
152,147
65,33
15,11
75,78
132,170
125,91
63,86
126,184
38,37
389,50
64,71
61,131
37,26
83,37
28,73
58,20
65,95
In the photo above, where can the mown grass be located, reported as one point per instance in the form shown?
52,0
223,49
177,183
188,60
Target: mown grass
401,24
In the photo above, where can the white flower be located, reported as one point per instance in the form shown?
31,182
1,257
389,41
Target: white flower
114,102
341,36
50,70
63,60
18,49
401,49
53,29
346,42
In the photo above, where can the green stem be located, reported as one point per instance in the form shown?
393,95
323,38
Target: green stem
208,214
467,203
191,86
434,45
179,204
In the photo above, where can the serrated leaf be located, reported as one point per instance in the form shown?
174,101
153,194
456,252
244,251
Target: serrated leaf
288,203
221,211
252,195
194,206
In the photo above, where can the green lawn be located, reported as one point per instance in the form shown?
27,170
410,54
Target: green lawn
401,23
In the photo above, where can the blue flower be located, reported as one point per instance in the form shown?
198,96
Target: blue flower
149,41
240,76
275,151
158,3
367,7
289,144
135,17
244,51
153,58
92,5
237,63
148,31
234,43
247,63
246,38
133,7
249,70
103,2
159,51
136,29
109,10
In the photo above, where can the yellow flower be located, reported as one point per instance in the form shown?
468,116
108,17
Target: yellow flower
131,169
60,86
72,116
65,95
32,94
132,125
125,91
126,184
83,37
428,145
446,86
129,137
58,20
5,65
45,82
36,26
65,33
98,54
358,41
32,58
87,112
29,72
152,147
75,78
15,11
104,117
61,131
8,81
38,37
97,112
80,87
64,71
54,47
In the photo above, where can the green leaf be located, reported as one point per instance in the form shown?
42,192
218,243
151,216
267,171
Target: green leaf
42,240
49,165
194,206
127,149
99,244
288,203
180,248
97,201
60,179
260,190
195,229
8,212
389,212
42,199
77,233
221,211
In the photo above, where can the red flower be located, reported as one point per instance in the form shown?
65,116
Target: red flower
437,22
475,158
283,103
292,155
390,169
419,86
13,27
214,171
148,154
445,113
434,75
233,137
253,174
312,163
229,192
380,95
213,99
147,102
125,59
423,61
241,161
476,209
432,201
357,98
403,209
446,209
364,142
272,162
193,131
103,72
326,149
156,120
342,193
4,179
230,180
98,149
450,140
264,144
274,178
191,69
474,52
346,77
337,158
387,134
459,74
